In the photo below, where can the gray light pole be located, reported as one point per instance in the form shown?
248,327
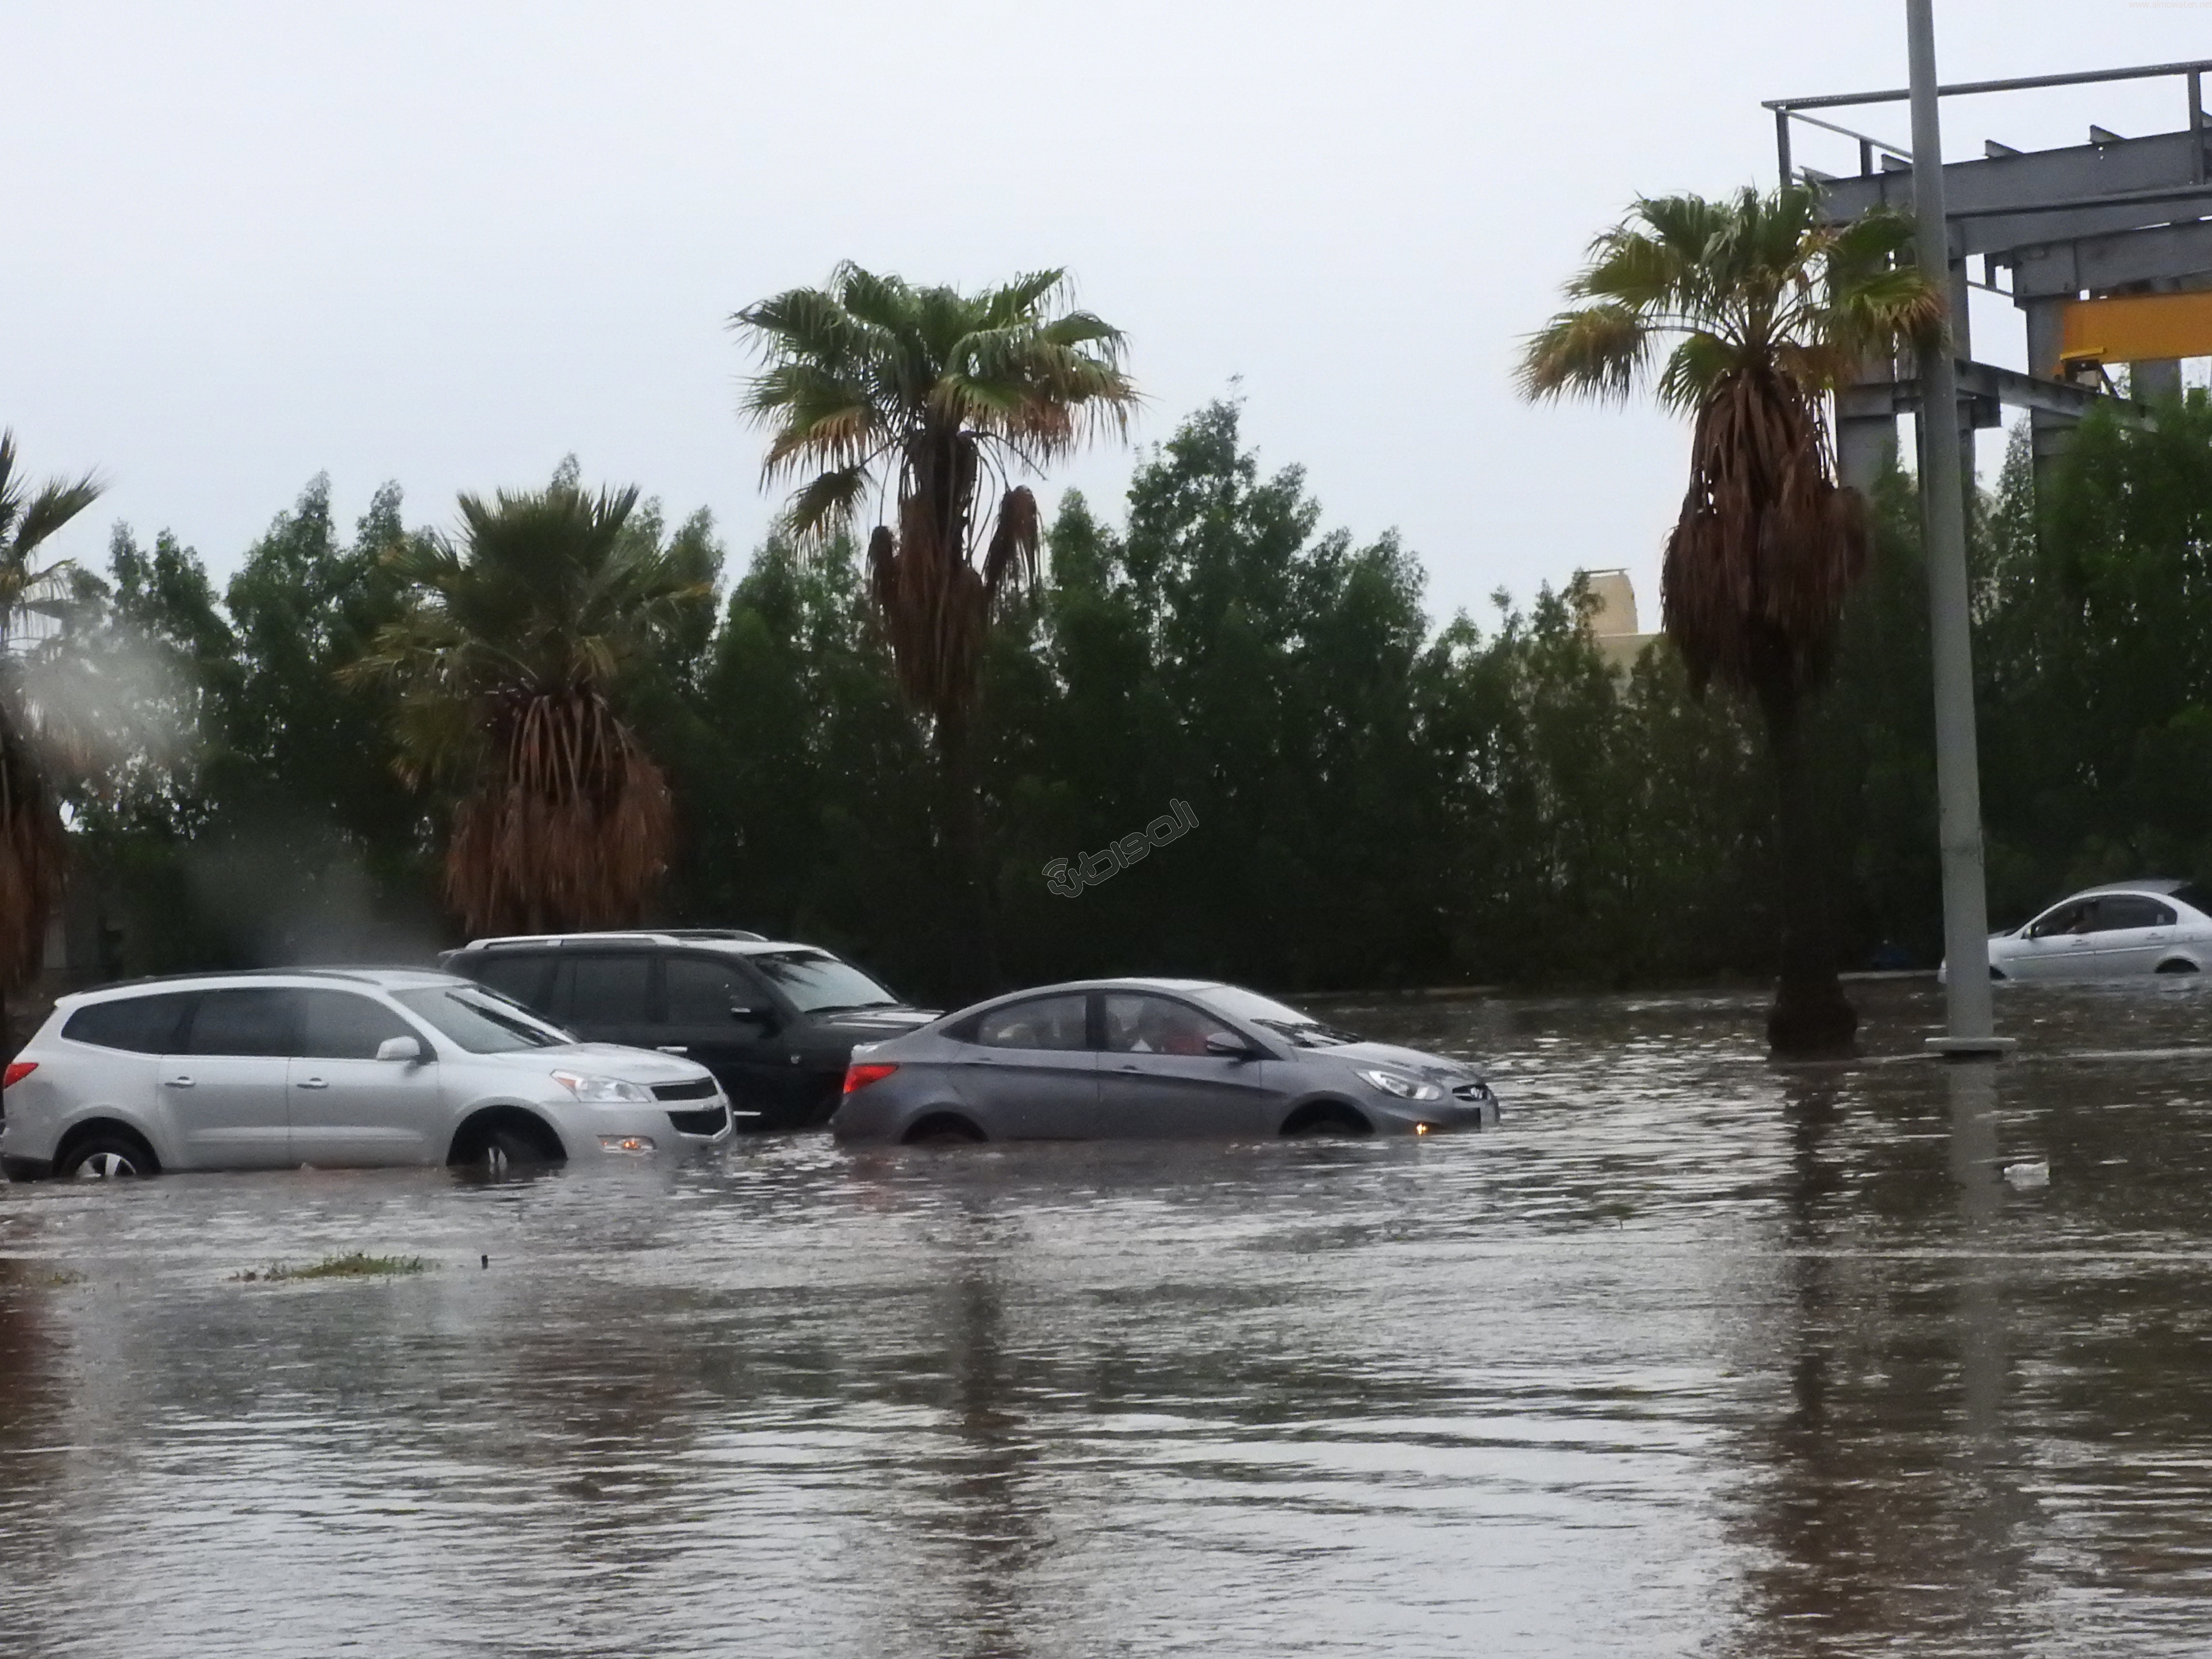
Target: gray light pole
1970,1027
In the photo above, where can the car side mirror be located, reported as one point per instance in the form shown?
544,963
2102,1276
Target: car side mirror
1230,1044
406,1049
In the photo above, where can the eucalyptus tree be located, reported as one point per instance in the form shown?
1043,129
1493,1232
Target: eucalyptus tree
31,837
515,645
1746,314
921,406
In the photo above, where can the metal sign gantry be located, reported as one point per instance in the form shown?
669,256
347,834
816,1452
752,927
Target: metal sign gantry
2105,248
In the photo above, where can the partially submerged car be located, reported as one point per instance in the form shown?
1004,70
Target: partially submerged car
1148,1057
332,1066
774,1021
2157,926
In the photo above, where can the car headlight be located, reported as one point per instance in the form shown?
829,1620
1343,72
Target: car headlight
603,1091
1406,1088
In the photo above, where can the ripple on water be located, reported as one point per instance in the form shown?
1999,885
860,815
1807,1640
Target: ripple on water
1697,1355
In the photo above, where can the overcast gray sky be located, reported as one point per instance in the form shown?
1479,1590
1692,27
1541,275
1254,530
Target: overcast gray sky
447,244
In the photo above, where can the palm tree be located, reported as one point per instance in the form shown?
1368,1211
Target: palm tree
507,660
917,398
32,844
1767,311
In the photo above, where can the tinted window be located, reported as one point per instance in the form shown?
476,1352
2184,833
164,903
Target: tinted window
703,993
145,1025
1140,1024
2126,910
2195,897
255,1022
522,977
342,1025
479,1022
1039,1023
817,981
603,990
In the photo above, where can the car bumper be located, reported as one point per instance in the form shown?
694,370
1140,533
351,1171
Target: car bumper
1423,1117
643,1131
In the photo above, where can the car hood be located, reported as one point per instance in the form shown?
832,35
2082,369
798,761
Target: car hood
1435,1067
614,1060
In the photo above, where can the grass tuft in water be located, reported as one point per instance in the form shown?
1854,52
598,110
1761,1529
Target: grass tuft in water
355,1264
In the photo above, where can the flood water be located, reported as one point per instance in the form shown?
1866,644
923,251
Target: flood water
1694,1354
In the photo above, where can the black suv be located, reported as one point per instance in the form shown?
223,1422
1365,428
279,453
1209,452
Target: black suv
774,1022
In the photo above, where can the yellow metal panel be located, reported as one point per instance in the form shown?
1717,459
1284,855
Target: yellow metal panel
2134,328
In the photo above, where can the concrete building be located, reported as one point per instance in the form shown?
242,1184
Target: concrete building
1613,624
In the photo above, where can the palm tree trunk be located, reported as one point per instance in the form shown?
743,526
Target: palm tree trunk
1810,1015
964,845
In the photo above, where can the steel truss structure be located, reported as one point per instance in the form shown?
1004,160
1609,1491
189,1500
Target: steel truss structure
2105,248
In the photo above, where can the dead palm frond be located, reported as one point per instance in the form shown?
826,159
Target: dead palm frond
1747,314
929,397
505,661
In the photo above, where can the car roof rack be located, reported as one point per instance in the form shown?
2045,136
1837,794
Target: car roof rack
623,936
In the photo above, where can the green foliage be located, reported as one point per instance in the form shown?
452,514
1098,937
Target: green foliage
1379,801
2095,659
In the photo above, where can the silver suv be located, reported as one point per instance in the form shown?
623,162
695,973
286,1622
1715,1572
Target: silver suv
328,1067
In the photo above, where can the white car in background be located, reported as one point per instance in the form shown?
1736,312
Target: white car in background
2113,932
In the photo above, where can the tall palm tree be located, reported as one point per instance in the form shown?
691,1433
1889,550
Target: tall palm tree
31,835
916,399
1762,310
512,647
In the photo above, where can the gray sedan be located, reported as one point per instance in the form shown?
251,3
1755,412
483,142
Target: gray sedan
1147,1057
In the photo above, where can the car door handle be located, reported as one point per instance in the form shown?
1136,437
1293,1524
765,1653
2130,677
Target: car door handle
176,1082
312,1082
672,1048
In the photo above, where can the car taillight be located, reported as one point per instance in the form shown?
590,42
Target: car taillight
859,1077
17,1071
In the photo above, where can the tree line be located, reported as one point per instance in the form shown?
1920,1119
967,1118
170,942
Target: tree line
1378,799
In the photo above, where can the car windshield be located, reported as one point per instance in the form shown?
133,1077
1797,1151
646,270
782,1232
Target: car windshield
479,1021
817,983
1303,1028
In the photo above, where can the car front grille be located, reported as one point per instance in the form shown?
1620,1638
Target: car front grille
711,1121
702,1090
1476,1093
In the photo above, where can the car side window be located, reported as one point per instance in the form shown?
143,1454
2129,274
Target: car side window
606,990
1036,1023
703,993
1137,1024
249,1023
514,974
342,1025
2066,919
2130,910
142,1025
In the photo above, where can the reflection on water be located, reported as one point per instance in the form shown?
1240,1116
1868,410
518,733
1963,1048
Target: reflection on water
1696,1355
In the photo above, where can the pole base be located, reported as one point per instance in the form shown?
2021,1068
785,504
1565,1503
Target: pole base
1982,1048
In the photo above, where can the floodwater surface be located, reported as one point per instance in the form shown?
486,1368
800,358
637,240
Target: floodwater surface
1694,1354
